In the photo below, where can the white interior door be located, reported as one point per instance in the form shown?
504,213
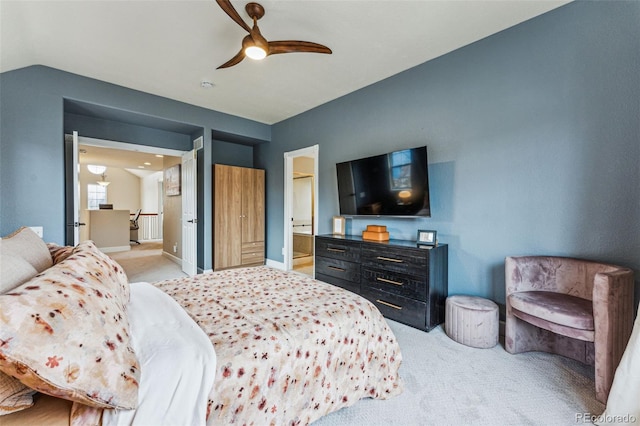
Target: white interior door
160,209
76,191
189,218
311,151
303,204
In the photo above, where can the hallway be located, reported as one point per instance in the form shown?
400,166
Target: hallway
145,262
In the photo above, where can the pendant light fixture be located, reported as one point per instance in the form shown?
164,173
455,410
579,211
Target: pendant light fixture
103,182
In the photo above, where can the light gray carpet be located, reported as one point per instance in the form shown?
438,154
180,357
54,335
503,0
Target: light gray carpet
445,383
145,262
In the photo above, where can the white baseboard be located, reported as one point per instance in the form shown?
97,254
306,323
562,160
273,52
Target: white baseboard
302,260
275,264
114,249
172,258
272,263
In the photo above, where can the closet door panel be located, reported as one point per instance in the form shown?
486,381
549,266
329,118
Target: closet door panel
228,186
253,205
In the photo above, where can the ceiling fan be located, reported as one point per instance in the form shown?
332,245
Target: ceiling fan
254,45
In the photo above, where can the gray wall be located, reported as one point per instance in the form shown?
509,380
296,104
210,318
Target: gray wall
32,148
533,139
231,154
100,128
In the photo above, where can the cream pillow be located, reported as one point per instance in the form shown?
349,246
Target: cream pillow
22,255
26,244
65,332
14,396
14,270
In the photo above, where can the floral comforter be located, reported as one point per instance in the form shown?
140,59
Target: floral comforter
289,349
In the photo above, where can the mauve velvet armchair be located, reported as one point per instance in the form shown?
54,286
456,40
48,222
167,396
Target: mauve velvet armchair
572,307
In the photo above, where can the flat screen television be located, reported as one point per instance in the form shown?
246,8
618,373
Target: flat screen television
393,184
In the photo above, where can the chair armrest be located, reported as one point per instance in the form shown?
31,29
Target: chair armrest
613,304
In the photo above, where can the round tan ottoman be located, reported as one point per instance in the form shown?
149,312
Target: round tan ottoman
472,321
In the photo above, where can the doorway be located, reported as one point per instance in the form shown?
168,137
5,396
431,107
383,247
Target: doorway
301,209
302,224
134,175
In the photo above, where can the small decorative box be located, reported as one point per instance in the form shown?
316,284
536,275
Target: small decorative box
375,233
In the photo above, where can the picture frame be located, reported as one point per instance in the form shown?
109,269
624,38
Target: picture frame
339,225
427,238
172,180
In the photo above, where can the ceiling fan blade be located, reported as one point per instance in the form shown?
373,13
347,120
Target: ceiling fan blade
228,8
233,61
290,46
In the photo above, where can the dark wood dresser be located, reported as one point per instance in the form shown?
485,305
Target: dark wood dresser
407,283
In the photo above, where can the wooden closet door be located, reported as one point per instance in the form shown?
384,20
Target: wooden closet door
252,205
227,242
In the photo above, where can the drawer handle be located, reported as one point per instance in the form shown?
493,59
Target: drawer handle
391,305
388,259
335,268
384,280
336,250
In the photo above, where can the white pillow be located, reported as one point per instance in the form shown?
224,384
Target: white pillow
623,404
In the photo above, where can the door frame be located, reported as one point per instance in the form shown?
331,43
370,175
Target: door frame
72,165
312,151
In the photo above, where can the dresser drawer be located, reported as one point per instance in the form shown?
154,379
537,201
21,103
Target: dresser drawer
253,247
338,249
252,253
338,268
347,285
392,282
403,260
252,258
407,284
399,308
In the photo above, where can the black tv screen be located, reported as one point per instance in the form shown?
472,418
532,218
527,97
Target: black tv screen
393,184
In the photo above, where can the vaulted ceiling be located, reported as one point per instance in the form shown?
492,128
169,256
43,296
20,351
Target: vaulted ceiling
168,48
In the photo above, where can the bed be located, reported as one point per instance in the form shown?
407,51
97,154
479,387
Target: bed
273,347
